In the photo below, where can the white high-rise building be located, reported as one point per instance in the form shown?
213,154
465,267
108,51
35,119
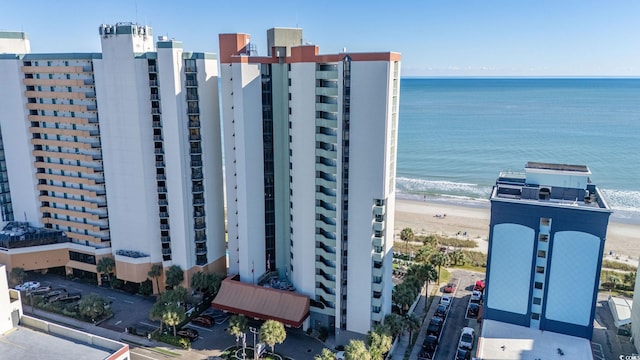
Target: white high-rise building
125,154
310,161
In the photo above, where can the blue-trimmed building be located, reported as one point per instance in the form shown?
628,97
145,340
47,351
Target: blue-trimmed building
547,233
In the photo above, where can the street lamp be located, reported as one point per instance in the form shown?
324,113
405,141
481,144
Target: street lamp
254,331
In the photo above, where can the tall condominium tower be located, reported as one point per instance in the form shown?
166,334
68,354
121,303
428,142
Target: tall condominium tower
547,234
121,150
310,162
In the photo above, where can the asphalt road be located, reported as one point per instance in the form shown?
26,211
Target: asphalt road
456,319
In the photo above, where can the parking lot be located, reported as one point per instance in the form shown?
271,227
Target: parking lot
133,310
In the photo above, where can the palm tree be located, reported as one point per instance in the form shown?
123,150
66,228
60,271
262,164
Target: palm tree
356,350
106,266
237,326
199,281
403,296
425,273
439,259
424,253
154,273
406,235
326,354
379,344
174,276
271,333
411,323
458,257
393,324
173,314
630,278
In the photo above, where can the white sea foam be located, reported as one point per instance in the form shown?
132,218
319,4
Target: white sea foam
625,204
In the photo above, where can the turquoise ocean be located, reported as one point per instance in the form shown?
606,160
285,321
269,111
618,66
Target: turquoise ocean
456,135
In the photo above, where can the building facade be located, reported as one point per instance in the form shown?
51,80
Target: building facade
125,153
547,233
310,150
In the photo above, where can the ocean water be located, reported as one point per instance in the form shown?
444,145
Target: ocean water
456,135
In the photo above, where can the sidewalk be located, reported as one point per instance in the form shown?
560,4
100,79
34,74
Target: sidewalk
129,339
419,311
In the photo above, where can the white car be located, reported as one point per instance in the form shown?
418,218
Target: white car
466,338
476,296
29,285
340,355
446,300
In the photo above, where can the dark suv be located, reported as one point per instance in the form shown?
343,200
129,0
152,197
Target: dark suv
435,326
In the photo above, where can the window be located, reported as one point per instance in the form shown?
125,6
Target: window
544,237
540,269
537,301
538,285
542,254
535,316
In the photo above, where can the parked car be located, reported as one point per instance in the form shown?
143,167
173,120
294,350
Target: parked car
39,291
53,293
466,338
473,310
203,320
340,355
442,311
479,285
188,333
435,326
450,288
476,296
463,354
428,349
70,298
446,300
29,285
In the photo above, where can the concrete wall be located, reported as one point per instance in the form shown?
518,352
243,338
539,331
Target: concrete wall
119,349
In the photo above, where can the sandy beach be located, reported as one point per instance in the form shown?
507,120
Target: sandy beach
427,217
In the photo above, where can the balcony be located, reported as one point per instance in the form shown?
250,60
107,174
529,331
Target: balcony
153,83
198,201
158,151
196,176
163,202
330,74
162,189
192,83
194,137
195,151
196,163
201,251
378,241
164,215
197,189
165,239
164,226
194,124
152,68
199,225
377,257
157,124
166,251
200,239
159,164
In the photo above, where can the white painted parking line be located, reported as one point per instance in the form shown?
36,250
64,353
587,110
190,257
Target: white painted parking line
128,302
118,322
111,297
144,323
138,354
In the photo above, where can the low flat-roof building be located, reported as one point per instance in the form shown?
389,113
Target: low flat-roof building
501,340
26,338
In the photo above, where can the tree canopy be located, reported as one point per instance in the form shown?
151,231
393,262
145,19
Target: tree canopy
272,332
174,276
326,354
106,265
356,350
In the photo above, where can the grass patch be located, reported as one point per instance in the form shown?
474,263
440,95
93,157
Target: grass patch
458,243
609,264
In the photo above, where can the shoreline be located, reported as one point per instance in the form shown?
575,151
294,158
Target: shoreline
472,217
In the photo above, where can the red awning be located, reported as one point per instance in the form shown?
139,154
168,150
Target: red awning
263,303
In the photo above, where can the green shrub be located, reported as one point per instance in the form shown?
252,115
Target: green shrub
608,264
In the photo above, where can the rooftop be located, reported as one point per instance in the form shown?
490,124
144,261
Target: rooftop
506,341
17,234
550,185
27,344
